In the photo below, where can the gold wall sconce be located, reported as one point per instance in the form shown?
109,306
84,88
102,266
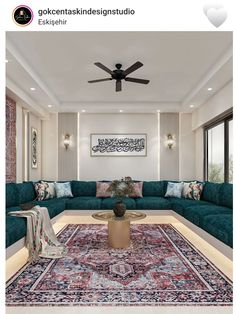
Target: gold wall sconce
170,141
67,141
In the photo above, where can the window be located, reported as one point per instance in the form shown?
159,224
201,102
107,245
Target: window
218,151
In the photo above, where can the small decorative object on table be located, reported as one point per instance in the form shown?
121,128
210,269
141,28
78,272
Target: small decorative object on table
120,189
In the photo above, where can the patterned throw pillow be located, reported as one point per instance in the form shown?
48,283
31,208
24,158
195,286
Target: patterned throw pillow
42,191
138,190
186,193
174,189
101,189
63,189
196,190
51,187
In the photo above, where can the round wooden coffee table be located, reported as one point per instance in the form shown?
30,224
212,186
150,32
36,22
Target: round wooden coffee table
119,227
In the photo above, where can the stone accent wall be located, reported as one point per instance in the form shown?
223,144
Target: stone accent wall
10,140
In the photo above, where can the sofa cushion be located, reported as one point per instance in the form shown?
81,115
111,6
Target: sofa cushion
12,195
15,228
138,190
26,191
83,188
153,188
109,203
195,190
220,226
63,189
226,195
196,214
174,189
152,202
51,188
211,192
42,191
186,189
55,206
84,202
101,189
179,204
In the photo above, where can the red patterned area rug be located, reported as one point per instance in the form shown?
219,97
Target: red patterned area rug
160,268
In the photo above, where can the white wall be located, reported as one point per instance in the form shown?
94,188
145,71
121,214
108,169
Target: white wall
217,104
35,122
67,159
186,147
169,158
98,168
19,144
50,148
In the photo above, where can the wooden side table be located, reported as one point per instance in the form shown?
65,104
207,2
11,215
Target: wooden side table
119,227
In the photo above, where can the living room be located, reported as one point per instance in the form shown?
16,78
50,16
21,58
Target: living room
178,105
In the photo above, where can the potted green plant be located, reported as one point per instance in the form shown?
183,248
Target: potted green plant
120,189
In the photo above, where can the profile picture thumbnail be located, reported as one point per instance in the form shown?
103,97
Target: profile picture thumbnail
22,15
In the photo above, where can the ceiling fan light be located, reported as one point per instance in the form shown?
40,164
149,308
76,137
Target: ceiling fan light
118,74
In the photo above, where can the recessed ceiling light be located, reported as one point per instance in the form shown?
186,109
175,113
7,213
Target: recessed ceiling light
83,110
121,110
210,88
191,106
49,106
32,88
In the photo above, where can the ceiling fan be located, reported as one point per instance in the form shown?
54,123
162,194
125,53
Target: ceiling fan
118,74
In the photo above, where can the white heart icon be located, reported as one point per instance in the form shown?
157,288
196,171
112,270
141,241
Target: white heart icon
216,16
210,6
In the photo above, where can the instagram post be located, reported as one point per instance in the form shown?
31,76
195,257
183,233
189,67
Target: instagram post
118,163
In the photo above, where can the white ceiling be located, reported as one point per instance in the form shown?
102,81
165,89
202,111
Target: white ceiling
180,67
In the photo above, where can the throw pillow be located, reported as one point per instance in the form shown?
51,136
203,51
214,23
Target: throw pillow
196,190
138,190
51,188
187,189
63,189
42,191
101,189
174,189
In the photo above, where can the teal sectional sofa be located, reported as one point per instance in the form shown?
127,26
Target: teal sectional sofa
213,213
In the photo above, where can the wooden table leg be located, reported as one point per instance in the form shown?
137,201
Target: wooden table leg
119,234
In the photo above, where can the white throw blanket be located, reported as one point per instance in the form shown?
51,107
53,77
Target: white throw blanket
41,240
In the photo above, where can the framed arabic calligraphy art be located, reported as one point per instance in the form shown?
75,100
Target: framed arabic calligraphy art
118,145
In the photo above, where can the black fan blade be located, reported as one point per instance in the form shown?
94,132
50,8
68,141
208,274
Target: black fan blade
101,80
118,86
133,67
136,80
101,66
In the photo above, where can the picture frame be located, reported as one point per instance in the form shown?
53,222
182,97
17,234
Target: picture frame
118,145
34,144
